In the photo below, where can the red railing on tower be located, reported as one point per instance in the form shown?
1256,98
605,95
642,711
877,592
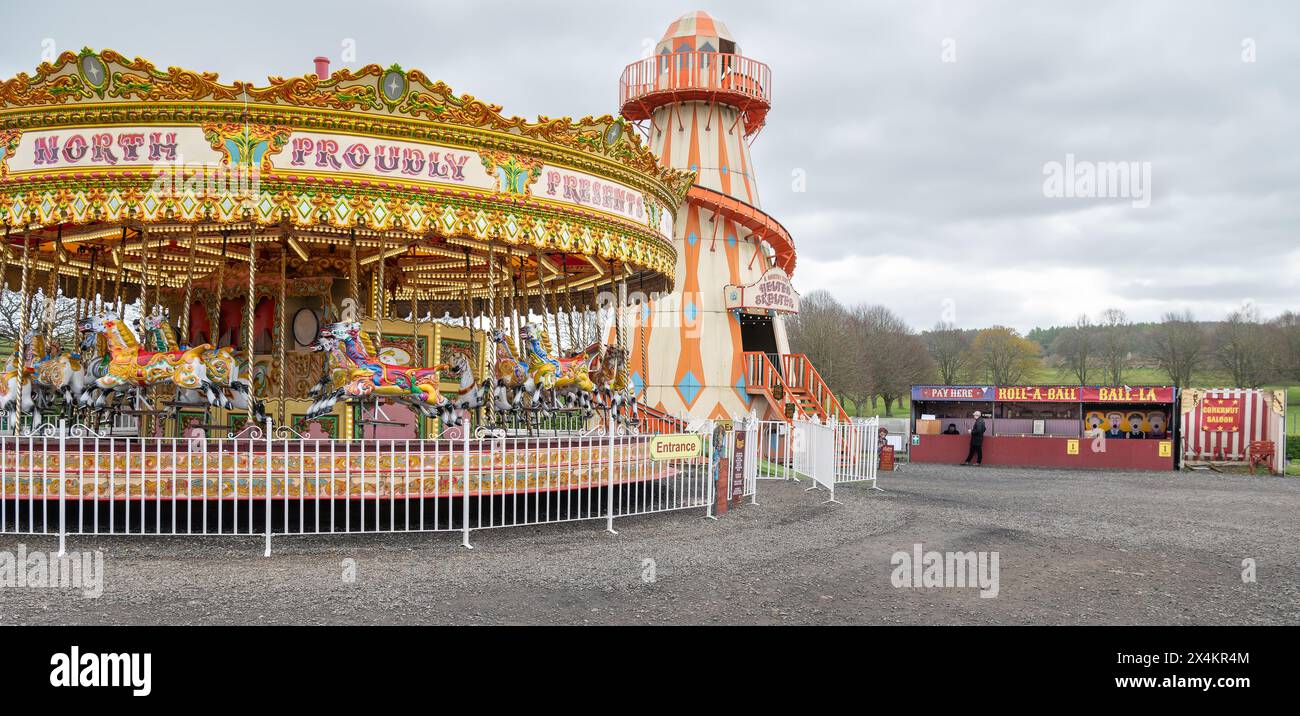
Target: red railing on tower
697,76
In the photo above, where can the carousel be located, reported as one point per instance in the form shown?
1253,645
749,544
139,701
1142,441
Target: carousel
332,258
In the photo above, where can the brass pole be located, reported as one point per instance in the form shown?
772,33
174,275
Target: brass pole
52,289
22,327
355,288
189,286
280,332
117,275
249,313
144,272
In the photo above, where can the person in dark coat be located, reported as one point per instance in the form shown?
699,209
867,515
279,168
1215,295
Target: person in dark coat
976,441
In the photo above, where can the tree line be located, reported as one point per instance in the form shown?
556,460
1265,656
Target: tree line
870,356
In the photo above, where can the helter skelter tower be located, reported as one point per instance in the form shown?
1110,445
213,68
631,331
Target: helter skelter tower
716,347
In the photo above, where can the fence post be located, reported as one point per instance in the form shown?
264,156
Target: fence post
63,476
464,507
267,517
609,461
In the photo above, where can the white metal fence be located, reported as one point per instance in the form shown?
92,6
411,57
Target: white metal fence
70,481
857,451
788,451
74,482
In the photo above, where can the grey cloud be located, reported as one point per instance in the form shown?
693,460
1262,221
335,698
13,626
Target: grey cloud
911,163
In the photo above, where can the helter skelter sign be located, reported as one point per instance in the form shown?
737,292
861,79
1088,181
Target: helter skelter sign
771,292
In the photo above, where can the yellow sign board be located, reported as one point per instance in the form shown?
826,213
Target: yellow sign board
1071,447
1166,448
676,447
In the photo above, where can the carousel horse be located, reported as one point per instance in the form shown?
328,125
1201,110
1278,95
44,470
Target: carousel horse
469,394
510,380
556,377
131,367
18,389
59,372
228,383
578,393
94,365
11,388
355,375
612,383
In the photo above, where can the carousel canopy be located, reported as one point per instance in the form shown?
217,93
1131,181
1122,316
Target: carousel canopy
163,177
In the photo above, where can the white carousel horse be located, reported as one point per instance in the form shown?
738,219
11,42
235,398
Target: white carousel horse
510,382
469,394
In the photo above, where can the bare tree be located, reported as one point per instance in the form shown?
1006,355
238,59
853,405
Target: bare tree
1286,356
11,305
1114,344
894,357
821,331
1003,357
1178,346
1077,347
949,348
1242,347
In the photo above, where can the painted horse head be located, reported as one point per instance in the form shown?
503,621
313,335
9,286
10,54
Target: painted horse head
98,324
326,342
458,366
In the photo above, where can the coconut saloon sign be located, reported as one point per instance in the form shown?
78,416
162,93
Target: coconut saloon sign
772,292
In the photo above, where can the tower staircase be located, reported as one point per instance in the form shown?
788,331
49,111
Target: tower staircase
792,387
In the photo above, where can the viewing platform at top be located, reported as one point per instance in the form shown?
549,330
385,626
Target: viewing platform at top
692,76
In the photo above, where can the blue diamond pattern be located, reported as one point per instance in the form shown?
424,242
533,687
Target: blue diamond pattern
740,388
691,311
690,387
692,238
638,384
731,239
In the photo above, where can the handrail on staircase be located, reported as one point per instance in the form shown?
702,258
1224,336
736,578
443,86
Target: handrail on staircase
796,373
801,373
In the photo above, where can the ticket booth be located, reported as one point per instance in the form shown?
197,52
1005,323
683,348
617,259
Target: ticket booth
1111,427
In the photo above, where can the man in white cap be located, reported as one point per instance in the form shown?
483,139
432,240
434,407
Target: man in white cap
976,440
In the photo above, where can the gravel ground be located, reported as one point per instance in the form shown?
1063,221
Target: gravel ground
1074,547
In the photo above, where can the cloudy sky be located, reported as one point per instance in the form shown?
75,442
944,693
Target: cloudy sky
926,131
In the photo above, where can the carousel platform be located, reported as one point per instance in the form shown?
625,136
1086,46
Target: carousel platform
126,469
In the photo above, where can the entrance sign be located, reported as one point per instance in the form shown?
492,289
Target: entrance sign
676,447
772,292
